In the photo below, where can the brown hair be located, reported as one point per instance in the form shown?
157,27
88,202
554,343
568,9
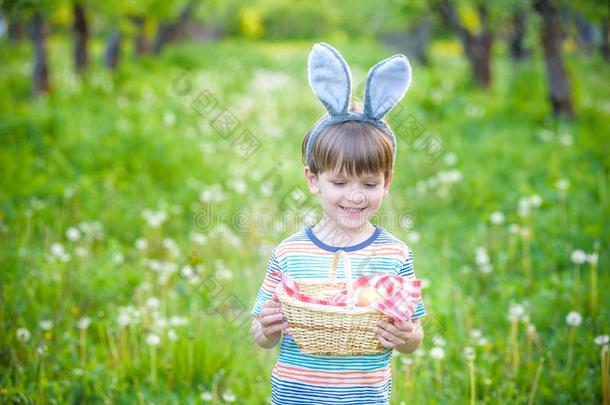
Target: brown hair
352,147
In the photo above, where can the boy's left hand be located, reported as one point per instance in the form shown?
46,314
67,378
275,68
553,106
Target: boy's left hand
397,334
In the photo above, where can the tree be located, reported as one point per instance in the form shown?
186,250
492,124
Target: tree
477,43
560,93
81,36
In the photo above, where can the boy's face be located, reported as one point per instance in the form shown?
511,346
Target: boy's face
349,201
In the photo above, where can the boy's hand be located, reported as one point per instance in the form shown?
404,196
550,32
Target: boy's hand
403,336
271,318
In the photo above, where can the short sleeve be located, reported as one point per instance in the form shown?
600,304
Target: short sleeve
267,289
408,271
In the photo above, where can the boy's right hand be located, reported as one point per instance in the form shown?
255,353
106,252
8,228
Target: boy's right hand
271,318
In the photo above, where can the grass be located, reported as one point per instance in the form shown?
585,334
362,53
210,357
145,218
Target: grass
104,148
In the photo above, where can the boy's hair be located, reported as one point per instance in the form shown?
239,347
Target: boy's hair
355,148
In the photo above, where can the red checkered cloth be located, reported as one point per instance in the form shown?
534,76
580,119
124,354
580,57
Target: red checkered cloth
402,293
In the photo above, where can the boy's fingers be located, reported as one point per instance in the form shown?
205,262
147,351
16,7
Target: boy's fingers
275,328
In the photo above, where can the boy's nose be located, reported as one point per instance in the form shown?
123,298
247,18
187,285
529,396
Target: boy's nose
357,197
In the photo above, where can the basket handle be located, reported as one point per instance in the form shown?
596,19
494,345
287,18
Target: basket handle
348,275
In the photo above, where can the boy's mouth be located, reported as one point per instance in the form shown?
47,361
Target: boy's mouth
350,210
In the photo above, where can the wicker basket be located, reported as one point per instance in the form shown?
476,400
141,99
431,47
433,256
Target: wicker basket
334,330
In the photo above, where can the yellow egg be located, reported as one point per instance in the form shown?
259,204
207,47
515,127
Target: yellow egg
367,296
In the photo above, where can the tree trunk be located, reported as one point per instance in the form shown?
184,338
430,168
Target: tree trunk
168,30
604,47
419,38
477,46
559,87
517,51
81,35
113,49
140,46
40,71
15,30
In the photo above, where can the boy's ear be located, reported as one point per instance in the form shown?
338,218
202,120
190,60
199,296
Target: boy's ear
386,185
312,180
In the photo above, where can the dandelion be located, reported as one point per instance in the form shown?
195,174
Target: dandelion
141,244
83,323
238,185
23,335
153,341
45,324
573,319
153,303
497,218
438,341
476,333
566,139
154,219
413,237
601,340
592,259
73,234
524,207
41,350
58,253
563,185
469,355
199,238
172,335
118,258
535,200
450,159
515,313
206,396
228,396
514,229
81,251
578,256
437,353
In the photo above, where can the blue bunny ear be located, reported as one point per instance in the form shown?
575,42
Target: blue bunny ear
386,85
330,78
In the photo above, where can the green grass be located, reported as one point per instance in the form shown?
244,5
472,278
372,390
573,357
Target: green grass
106,147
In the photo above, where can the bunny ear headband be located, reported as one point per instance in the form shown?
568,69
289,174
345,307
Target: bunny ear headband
331,80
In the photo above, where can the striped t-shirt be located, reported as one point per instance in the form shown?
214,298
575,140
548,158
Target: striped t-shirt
299,378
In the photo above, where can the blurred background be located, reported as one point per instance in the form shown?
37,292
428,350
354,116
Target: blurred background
150,161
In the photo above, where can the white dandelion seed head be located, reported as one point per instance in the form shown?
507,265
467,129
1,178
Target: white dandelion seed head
41,350
23,335
46,324
562,184
602,340
153,340
513,229
172,335
574,319
83,323
481,256
578,256
450,159
206,396
497,218
199,238
476,333
153,303
531,329
407,360
515,312
228,396
437,353
73,234
469,353
524,207
593,258
141,244
438,341
535,200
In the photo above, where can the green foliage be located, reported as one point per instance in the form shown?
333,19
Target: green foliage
103,193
